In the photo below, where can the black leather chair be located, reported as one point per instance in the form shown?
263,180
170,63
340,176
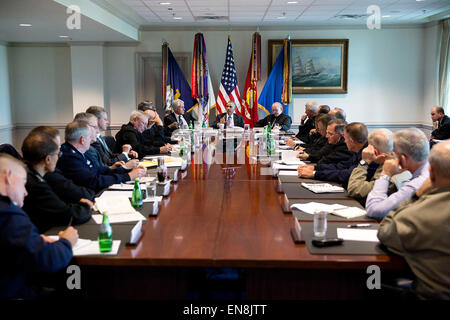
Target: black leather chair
9,149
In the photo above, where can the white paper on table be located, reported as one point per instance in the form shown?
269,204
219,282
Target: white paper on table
117,193
120,187
278,166
322,187
355,234
141,180
288,173
290,157
119,218
282,148
80,242
118,203
312,207
153,199
349,212
94,249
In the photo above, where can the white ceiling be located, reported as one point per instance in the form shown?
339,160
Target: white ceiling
270,12
48,17
48,20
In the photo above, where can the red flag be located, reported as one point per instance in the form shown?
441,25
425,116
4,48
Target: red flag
250,95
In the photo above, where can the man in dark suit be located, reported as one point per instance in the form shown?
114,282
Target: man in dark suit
307,121
177,119
79,167
355,135
229,118
45,208
131,133
441,124
106,154
335,150
24,250
276,118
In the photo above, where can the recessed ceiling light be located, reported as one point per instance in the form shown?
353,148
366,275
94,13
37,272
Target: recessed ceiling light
420,0
292,2
164,3
282,17
177,18
63,36
386,16
25,25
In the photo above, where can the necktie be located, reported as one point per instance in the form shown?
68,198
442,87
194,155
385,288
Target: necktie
228,121
103,142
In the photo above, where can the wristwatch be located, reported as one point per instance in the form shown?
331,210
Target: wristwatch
362,162
385,177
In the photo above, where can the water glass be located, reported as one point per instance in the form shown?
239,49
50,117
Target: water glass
320,224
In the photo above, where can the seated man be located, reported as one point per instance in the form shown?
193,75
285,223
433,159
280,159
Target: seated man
93,154
338,113
131,134
355,135
177,118
65,188
323,109
335,150
108,157
411,149
154,134
362,179
229,118
276,118
441,124
44,207
307,120
78,167
24,251
317,136
418,230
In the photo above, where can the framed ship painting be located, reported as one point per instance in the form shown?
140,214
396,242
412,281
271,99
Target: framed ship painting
318,65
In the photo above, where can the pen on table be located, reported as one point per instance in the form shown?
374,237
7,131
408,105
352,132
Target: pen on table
361,225
70,222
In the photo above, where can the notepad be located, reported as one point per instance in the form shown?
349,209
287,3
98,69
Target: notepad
288,173
80,243
117,203
278,166
335,209
94,249
119,218
290,157
354,234
322,187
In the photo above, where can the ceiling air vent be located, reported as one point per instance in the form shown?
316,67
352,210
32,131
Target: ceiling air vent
211,18
352,16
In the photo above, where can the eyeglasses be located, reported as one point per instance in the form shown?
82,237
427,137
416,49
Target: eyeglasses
331,133
59,154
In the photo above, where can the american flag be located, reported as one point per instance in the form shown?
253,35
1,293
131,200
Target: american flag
229,89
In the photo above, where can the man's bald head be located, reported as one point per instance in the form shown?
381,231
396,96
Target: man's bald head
13,177
440,164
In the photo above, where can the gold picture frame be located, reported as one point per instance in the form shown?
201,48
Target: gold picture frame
318,65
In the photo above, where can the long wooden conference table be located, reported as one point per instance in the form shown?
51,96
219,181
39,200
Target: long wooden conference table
226,216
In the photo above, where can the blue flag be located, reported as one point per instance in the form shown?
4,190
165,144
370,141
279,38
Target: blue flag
177,83
274,86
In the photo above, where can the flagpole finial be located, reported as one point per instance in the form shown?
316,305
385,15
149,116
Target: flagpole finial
257,29
288,37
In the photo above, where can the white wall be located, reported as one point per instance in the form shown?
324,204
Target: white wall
41,87
5,106
431,78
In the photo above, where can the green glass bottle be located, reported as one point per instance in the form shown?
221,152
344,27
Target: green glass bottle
105,239
136,197
190,125
182,147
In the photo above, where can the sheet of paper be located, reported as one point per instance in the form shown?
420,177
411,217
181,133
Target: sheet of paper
148,163
119,218
349,212
288,173
278,166
117,193
120,187
141,180
290,157
153,199
282,148
80,243
322,187
312,207
118,204
355,234
94,249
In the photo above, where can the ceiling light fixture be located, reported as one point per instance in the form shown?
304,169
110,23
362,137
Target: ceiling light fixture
164,3
63,36
177,18
386,16
25,25
292,2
